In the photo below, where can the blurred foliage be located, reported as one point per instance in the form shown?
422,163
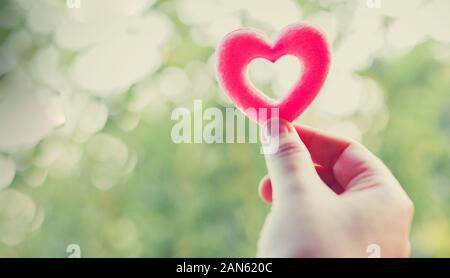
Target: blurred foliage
415,143
201,200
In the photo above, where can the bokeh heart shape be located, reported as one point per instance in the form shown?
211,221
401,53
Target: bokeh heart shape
242,46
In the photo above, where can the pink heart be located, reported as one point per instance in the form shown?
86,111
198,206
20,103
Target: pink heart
242,46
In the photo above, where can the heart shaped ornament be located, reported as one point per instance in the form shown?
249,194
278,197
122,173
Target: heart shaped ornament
242,46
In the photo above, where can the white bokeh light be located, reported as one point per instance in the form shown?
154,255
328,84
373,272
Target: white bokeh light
109,157
174,84
214,19
36,112
7,171
340,96
17,216
12,49
281,76
45,68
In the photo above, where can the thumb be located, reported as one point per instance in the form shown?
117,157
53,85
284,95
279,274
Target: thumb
290,166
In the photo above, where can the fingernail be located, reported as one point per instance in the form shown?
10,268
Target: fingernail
276,127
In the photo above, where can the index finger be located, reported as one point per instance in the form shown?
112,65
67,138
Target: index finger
325,149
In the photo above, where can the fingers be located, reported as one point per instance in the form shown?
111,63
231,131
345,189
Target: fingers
346,164
324,148
327,176
265,185
357,168
265,189
291,168
342,164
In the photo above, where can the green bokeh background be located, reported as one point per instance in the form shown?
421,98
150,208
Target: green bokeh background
201,200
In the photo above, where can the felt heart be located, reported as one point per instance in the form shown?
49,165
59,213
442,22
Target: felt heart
242,46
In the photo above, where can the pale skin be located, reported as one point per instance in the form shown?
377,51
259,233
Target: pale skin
360,204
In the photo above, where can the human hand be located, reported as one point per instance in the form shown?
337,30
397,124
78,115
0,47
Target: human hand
331,198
